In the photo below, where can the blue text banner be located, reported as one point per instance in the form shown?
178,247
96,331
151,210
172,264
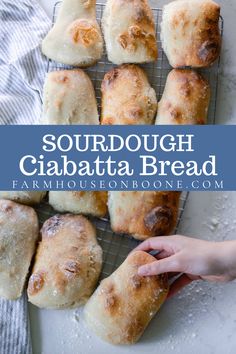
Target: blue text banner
199,158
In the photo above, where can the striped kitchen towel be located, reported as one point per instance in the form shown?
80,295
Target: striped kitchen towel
14,327
23,24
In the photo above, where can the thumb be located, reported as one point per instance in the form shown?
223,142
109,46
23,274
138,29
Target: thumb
169,264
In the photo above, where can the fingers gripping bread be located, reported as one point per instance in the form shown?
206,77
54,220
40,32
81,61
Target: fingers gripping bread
124,303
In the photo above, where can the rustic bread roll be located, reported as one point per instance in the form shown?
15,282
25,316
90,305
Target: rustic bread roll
127,97
143,214
76,38
89,202
124,303
185,99
69,98
18,236
129,31
190,33
23,197
68,263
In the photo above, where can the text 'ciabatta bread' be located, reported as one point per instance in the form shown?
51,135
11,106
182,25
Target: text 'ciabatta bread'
75,38
23,197
68,263
69,98
89,202
124,303
190,33
185,99
143,214
127,97
129,31
18,235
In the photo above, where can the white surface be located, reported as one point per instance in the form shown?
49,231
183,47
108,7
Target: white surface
202,319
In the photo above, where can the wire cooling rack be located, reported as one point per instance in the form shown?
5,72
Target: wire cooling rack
157,71
115,246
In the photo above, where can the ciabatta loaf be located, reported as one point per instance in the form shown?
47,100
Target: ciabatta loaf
185,99
129,31
127,97
190,32
124,303
69,98
19,232
75,38
68,263
143,214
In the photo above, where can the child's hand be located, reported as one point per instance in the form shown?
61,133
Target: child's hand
197,259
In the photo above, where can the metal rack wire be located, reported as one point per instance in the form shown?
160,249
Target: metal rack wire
116,247
157,71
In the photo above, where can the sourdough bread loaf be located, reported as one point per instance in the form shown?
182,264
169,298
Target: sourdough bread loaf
190,33
67,265
75,39
129,31
18,236
124,303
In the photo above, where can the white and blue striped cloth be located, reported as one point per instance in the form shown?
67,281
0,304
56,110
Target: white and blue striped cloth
14,327
23,24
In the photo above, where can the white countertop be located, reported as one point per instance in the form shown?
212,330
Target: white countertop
202,318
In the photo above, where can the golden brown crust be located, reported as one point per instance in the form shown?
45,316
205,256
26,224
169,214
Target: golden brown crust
36,283
99,197
127,97
129,31
185,99
208,46
159,219
84,32
190,33
124,303
89,4
143,214
130,40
